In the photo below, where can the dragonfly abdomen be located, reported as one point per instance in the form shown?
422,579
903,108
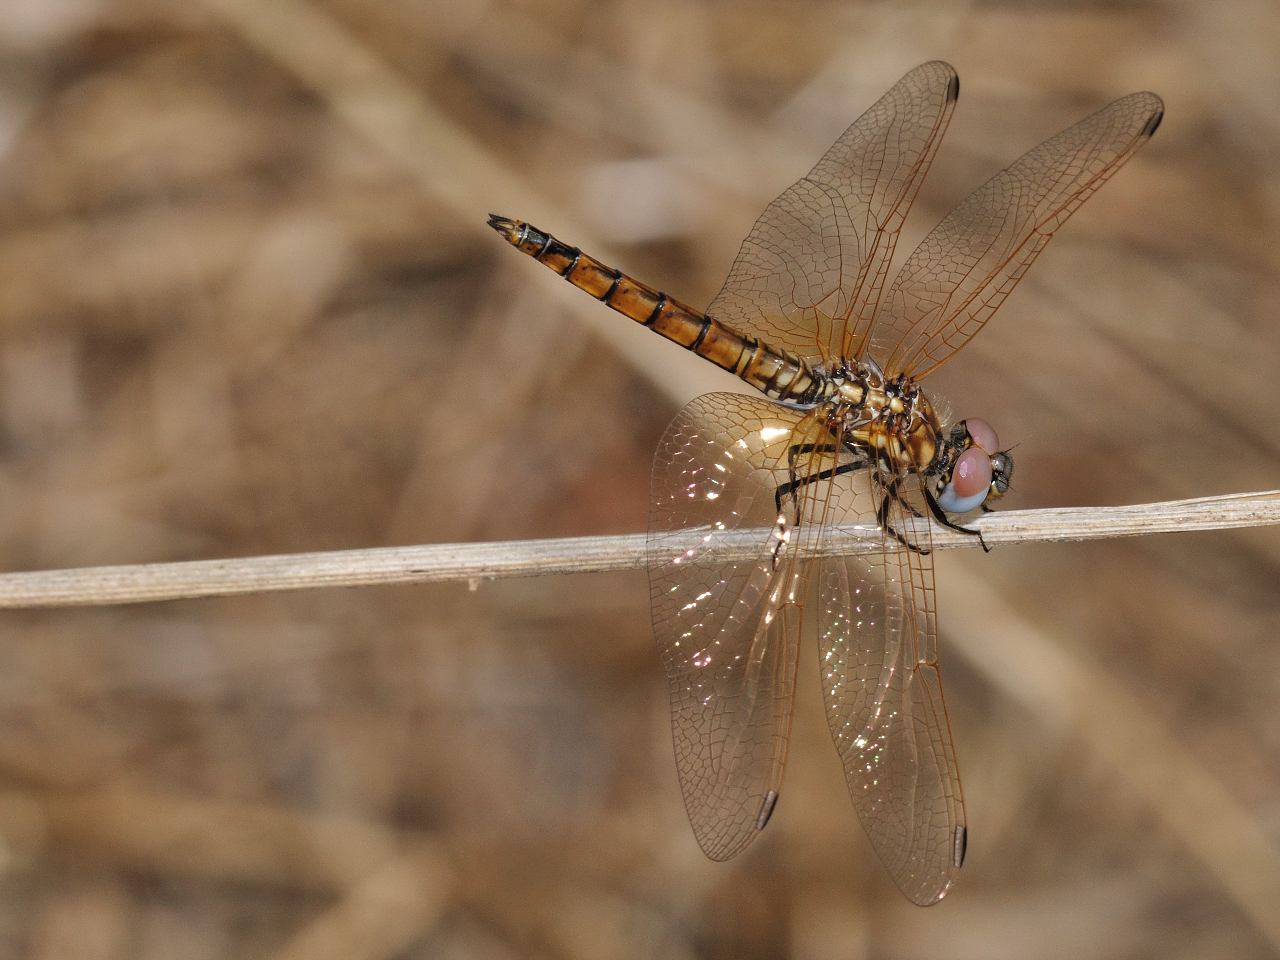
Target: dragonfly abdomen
774,372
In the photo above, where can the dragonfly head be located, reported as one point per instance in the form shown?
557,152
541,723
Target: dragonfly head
976,469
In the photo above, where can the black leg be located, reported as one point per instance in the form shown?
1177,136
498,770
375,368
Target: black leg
911,508
882,516
940,515
796,449
795,483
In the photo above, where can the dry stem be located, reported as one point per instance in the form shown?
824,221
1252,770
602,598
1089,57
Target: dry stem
434,563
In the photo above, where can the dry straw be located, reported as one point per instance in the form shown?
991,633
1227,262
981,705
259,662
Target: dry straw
474,562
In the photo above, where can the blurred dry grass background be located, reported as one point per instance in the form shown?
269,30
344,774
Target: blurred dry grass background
248,304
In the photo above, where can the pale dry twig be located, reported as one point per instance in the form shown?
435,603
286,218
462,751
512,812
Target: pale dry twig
473,562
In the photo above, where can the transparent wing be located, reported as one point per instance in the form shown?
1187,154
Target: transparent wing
883,695
963,270
811,270
724,591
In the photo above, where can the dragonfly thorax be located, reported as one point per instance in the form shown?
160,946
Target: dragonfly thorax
888,414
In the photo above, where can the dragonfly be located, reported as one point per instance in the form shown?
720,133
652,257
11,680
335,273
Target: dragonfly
748,491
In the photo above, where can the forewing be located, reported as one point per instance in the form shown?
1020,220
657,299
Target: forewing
723,585
884,703
811,270
963,270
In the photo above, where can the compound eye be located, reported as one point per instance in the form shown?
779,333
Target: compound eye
969,482
982,435
972,473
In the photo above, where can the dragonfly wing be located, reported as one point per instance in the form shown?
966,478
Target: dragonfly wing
963,270
811,270
724,590
884,703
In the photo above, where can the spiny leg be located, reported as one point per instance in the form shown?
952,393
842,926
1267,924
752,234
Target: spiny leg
795,483
796,449
940,515
882,515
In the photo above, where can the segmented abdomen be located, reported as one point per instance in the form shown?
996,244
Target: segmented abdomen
774,372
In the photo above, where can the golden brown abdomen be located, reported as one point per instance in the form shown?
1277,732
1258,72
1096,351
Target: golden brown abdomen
774,372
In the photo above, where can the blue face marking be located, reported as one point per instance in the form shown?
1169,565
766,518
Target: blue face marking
949,501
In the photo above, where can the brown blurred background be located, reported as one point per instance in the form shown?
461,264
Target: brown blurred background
248,304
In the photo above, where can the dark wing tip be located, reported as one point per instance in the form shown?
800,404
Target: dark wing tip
1153,123
935,71
1145,105
941,66
959,846
767,805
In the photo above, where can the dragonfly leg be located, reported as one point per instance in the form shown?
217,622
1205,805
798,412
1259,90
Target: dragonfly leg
796,449
795,483
882,516
940,515
911,507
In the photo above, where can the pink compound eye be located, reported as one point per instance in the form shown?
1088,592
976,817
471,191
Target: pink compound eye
972,472
982,435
